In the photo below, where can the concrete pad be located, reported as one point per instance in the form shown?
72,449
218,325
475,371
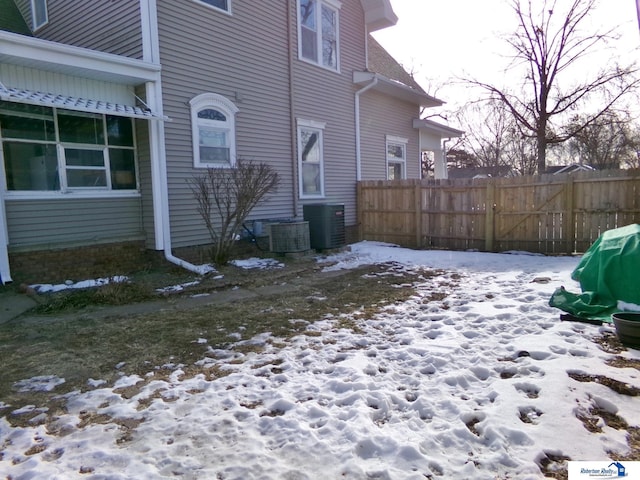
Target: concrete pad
13,305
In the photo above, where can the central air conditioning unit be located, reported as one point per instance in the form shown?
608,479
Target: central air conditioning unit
289,237
326,225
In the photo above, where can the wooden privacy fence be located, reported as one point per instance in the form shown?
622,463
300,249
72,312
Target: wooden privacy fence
549,214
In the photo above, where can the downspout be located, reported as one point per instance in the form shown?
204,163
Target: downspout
5,269
292,119
160,189
373,83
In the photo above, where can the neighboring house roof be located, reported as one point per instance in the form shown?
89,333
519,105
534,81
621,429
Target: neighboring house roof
574,167
11,19
387,76
479,172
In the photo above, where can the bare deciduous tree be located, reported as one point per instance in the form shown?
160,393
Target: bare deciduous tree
550,43
493,137
225,197
606,143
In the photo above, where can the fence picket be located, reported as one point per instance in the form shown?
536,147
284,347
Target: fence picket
546,214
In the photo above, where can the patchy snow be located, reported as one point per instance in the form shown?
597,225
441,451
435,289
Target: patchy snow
70,285
257,263
470,383
44,383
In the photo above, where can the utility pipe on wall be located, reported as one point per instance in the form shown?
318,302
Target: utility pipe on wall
162,225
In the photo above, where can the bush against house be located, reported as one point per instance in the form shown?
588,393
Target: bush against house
225,198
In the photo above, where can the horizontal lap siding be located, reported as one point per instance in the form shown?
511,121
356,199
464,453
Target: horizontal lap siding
327,96
243,57
64,222
144,175
112,27
382,115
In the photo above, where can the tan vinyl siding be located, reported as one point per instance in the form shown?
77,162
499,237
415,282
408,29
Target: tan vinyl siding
382,115
327,96
244,58
144,177
24,6
42,223
106,26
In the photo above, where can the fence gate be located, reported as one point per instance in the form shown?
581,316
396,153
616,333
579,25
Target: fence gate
550,214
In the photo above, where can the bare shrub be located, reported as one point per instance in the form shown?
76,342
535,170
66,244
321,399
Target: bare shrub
226,196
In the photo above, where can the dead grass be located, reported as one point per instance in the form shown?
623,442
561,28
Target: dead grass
78,338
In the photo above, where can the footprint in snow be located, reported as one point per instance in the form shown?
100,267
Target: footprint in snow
528,389
529,414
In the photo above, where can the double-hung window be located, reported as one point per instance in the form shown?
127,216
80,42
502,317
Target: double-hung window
39,14
213,131
56,150
396,157
318,32
310,158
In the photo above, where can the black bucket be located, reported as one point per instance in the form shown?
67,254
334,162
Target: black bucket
627,328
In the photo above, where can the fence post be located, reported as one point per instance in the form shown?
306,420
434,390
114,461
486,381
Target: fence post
569,223
489,226
417,194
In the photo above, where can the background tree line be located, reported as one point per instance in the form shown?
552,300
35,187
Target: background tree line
566,108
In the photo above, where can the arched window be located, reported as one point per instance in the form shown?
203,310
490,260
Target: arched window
213,127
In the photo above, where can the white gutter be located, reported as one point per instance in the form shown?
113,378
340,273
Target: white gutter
5,271
373,83
160,189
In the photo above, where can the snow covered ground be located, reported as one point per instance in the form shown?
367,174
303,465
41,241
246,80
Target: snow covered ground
469,384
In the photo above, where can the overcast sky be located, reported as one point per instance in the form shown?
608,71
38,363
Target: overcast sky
438,40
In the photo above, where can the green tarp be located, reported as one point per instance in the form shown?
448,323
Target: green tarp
609,272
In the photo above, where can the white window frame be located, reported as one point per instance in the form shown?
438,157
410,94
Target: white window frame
335,6
35,21
207,4
62,168
400,142
229,110
316,127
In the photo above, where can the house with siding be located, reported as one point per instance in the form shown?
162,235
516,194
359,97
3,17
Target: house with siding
109,109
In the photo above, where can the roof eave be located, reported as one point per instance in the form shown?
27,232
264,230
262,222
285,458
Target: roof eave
396,89
378,14
438,128
68,59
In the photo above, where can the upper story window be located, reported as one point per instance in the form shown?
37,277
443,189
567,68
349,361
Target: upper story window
396,158
224,5
318,32
55,150
213,131
310,158
39,13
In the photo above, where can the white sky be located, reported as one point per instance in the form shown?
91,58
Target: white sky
439,40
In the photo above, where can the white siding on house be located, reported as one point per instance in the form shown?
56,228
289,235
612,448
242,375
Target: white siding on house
243,57
144,177
66,222
326,96
106,26
381,115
